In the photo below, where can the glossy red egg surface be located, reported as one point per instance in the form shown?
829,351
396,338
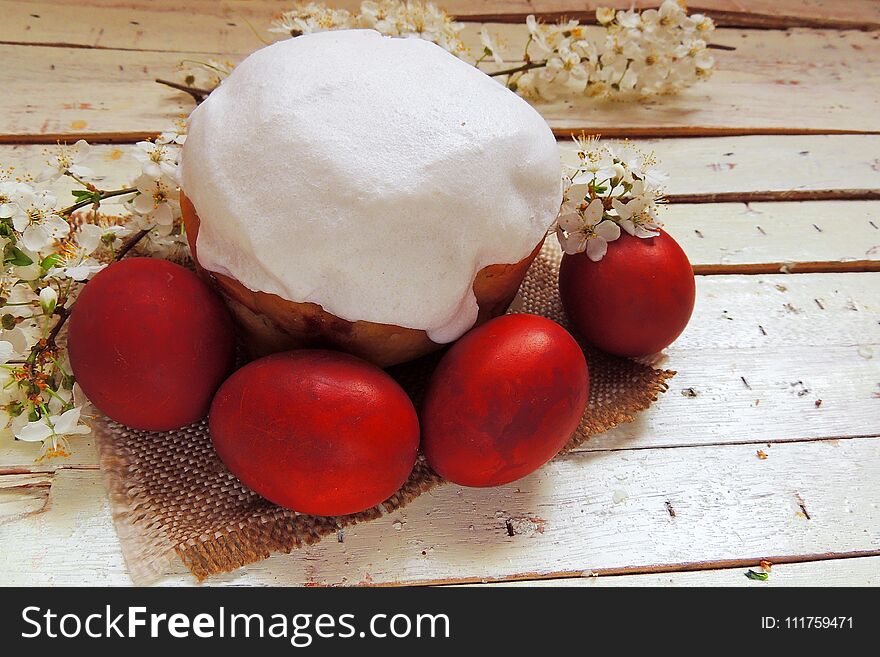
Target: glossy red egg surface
150,343
636,300
503,401
319,432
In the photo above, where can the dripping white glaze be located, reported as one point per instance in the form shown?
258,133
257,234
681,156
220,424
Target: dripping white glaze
373,176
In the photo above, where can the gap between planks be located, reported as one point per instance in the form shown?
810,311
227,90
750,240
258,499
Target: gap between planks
685,567
558,132
754,269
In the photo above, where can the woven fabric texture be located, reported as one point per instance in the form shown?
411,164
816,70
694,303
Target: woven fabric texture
171,497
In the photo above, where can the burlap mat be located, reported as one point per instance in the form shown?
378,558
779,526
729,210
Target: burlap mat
170,494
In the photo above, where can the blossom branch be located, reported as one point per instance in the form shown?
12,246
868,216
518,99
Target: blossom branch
48,256
528,66
633,54
63,313
95,198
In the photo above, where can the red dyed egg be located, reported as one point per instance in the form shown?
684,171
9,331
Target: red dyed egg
150,343
503,401
633,302
320,432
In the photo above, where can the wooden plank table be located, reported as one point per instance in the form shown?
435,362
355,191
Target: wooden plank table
775,174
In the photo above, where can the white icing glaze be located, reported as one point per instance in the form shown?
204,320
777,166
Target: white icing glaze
374,176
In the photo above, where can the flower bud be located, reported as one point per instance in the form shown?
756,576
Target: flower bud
48,300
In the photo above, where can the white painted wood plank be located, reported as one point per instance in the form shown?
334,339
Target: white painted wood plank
18,456
781,311
861,571
782,163
785,236
581,513
212,26
23,494
817,81
696,165
708,402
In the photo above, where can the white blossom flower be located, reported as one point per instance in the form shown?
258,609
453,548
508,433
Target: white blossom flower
379,16
156,202
83,270
7,352
586,230
172,137
630,217
657,51
76,261
52,431
65,424
614,186
110,235
170,246
12,195
29,272
19,298
422,20
157,159
528,86
37,221
628,19
11,395
67,159
490,46
22,337
565,64
309,17
604,15
69,398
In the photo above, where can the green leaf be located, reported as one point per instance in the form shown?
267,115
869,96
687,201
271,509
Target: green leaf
762,577
86,196
19,258
50,261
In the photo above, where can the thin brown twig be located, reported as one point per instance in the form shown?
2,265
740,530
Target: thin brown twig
104,195
130,243
63,314
524,67
197,94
